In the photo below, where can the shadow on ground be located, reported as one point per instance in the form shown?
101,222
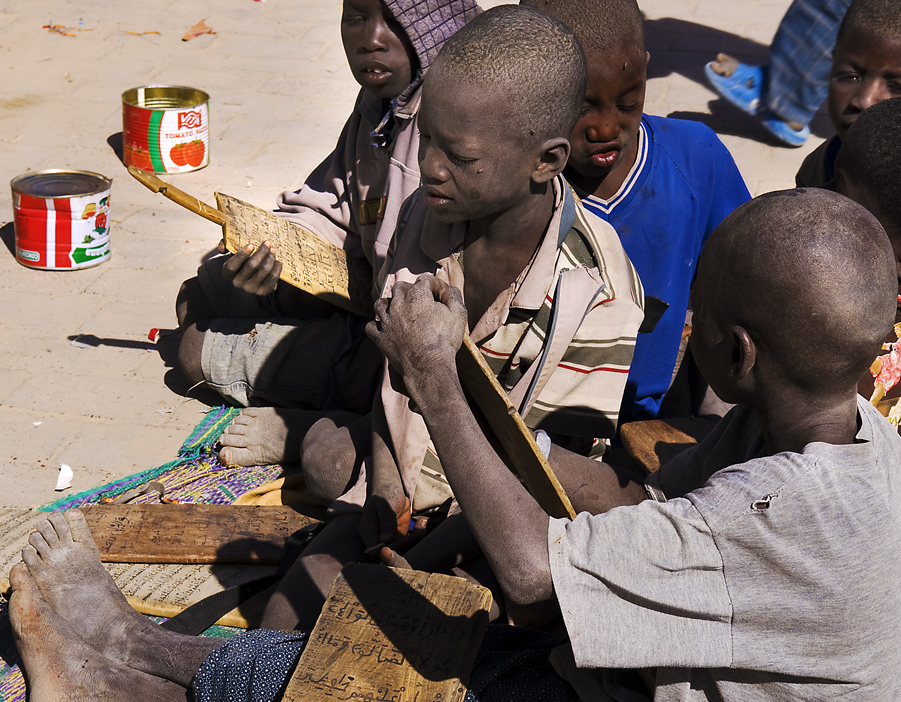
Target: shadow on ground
684,48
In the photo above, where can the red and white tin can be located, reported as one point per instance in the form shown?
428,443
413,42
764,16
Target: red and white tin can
166,128
61,219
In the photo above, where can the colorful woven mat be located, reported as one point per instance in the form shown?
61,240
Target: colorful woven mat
194,476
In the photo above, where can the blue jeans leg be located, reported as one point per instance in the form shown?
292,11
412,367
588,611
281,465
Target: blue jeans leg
801,58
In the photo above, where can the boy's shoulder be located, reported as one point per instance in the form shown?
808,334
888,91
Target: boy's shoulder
688,154
735,478
671,131
818,167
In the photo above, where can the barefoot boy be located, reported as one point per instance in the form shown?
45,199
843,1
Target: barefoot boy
866,69
763,568
260,342
663,184
552,300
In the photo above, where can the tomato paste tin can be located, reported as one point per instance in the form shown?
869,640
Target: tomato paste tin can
166,128
61,219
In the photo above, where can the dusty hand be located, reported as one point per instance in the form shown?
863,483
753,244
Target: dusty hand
384,520
419,329
254,271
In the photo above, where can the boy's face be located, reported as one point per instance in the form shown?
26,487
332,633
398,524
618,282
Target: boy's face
605,138
473,163
865,70
378,50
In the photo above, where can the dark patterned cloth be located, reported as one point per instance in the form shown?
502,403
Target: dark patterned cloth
512,666
254,666
428,24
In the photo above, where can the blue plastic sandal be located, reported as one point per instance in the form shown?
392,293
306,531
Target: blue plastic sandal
744,88
782,130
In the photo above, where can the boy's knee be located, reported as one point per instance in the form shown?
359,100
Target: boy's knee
190,353
329,458
191,304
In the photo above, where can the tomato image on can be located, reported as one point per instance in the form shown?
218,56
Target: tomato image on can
165,129
61,219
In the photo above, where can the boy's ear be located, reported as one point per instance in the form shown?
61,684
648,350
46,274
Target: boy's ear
553,158
744,355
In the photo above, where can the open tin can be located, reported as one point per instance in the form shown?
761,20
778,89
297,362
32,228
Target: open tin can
165,128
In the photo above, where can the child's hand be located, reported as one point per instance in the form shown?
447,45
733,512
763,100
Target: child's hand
384,520
420,328
253,271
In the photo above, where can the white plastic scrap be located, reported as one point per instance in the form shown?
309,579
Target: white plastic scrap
64,481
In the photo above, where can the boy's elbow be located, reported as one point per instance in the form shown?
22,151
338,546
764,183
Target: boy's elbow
528,584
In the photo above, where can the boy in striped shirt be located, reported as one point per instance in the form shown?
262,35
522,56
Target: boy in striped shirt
553,301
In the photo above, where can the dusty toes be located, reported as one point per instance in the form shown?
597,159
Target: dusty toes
237,456
78,529
19,577
37,541
236,438
393,559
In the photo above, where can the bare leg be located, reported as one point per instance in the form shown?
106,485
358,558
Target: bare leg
300,595
328,446
192,304
64,562
189,354
61,666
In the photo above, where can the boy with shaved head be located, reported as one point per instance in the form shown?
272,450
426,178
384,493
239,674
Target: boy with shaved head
868,171
764,566
759,565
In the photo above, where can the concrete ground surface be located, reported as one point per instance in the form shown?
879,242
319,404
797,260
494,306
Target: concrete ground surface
280,93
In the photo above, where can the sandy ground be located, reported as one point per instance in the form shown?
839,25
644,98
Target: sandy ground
280,92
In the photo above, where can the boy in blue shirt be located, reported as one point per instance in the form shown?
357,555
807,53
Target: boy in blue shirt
663,184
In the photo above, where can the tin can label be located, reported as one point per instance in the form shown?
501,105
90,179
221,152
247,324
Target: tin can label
162,136
63,233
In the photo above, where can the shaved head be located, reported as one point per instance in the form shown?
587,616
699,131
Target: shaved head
868,169
809,274
602,26
535,59
881,18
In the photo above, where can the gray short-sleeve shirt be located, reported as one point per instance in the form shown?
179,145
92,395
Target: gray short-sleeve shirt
747,577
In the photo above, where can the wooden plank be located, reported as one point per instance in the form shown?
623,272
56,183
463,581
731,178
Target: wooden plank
655,442
192,533
525,458
389,634
309,262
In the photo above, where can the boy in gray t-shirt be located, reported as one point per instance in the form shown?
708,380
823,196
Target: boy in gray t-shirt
765,567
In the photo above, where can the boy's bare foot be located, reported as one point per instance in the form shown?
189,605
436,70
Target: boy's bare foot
65,564
261,436
61,666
